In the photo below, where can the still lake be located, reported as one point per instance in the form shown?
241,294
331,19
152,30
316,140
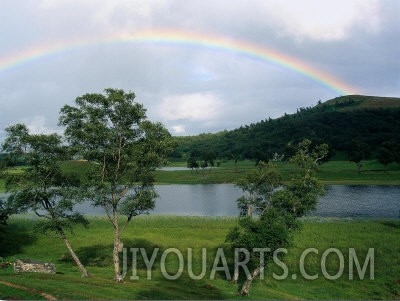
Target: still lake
220,200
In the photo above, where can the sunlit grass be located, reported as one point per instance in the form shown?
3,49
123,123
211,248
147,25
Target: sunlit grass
94,246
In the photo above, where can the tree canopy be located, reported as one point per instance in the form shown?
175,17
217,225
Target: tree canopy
42,187
112,132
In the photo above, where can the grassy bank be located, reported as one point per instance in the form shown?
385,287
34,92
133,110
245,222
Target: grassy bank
94,246
333,172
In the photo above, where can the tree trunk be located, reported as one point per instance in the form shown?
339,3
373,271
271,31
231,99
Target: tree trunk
74,256
235,277
359,165
116,250
249,210
245,290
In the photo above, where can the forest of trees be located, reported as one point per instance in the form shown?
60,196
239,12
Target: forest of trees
340,125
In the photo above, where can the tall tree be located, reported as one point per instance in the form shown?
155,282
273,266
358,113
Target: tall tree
112,132
209,157
385,156
192,163
358,152
42,187
278,210
5,208
15,143
5,211
4,214
388,153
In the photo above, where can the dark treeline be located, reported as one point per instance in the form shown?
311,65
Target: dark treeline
340,123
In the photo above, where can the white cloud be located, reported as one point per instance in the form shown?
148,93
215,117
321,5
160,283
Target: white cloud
323,20
126,13
36,125
179,129
191,107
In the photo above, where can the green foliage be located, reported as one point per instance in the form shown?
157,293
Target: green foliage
277,206
192,163
111,131
272,230
358,151
209,157
336,123
65,221
385,156
16,140
124,148
5,212
301,193
389,152
5,209
206,157
42,187
15,145
258,187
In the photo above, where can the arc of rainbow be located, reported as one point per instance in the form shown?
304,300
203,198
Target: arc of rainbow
183,38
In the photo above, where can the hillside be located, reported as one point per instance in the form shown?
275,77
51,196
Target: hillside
338,122
359,102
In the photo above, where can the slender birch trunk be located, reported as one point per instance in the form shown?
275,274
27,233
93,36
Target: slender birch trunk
235,277
74,256
245,290
116,249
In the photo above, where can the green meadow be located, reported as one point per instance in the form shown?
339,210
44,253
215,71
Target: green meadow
94,246
332,172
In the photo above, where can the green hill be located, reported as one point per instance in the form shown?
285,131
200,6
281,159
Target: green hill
358,102
338,122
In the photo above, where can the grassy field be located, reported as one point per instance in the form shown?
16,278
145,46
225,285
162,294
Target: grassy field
94,246
333,172
344,172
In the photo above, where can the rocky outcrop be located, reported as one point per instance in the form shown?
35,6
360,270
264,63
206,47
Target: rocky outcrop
29,266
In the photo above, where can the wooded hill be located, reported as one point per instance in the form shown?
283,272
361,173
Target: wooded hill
339,122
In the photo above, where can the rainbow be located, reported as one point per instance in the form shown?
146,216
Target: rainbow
184,39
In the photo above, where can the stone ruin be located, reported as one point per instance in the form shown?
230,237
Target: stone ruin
29,266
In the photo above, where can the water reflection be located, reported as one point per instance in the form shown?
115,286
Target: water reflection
203,200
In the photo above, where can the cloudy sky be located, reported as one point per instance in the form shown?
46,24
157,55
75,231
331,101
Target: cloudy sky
199,65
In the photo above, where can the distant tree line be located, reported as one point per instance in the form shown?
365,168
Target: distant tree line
202,159
365,133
